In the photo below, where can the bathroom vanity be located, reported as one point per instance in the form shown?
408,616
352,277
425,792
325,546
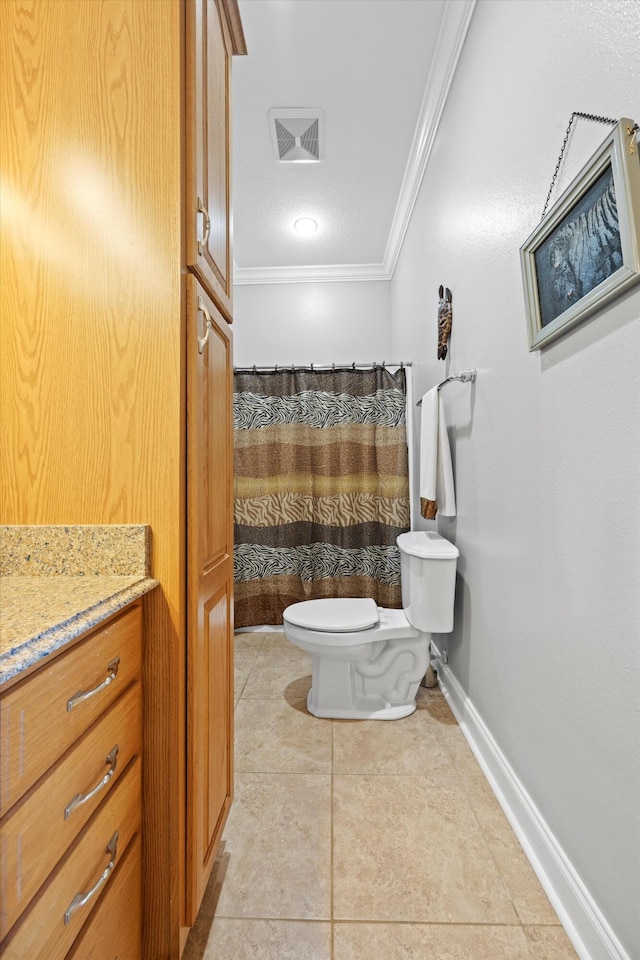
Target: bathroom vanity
71,639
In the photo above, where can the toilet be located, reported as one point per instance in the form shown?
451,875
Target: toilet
368,661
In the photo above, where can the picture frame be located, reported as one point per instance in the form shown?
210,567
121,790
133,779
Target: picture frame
586,251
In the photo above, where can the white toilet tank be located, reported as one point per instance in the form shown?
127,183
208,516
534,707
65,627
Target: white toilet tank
428,571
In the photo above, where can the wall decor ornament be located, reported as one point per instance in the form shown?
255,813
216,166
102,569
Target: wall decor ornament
586,250
445,319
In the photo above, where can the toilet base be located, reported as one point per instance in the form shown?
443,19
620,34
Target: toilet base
369,674
392,712
368,681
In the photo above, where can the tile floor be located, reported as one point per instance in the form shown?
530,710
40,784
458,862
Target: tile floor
362,840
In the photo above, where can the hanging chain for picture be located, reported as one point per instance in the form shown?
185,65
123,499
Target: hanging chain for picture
585,116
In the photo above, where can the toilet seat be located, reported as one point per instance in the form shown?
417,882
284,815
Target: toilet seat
334,615
389,625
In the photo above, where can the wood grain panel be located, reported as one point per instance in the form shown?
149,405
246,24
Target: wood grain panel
90,260
210,455
217,726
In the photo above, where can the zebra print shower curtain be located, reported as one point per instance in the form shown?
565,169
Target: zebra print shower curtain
321,487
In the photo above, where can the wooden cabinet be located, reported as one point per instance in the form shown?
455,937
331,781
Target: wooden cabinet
117,121
75,727
210,589
208,145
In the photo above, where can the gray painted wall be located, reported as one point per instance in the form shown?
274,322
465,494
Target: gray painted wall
546,445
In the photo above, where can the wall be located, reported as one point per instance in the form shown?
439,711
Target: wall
301,323
545,653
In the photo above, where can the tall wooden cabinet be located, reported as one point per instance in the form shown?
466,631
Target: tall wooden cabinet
208,80
115,362
210,587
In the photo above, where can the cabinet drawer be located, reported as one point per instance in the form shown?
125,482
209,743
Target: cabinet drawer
114,931
38,830
42,933
41,717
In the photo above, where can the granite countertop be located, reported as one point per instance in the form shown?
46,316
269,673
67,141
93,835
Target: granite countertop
56,582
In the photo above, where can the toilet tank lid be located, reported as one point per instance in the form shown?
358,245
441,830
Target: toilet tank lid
428,544
336,615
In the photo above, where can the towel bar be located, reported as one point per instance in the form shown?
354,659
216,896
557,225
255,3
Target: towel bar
465,376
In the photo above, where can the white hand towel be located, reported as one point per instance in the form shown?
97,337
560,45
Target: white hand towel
437,493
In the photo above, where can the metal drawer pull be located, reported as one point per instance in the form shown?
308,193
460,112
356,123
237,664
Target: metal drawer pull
202,244
112,668
202,342
79,799
81,898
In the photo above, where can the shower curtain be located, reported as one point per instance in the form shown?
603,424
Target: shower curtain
321,487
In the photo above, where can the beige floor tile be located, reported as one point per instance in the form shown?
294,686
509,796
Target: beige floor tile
432,700
241,671
411,746
550,943
423,856
278,678
275,859
531,902
429,692
273,736
277,645
248,644
459,750
246,648
399,941
410,849
223,939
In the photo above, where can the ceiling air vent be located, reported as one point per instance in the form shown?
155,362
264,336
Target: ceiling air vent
297,135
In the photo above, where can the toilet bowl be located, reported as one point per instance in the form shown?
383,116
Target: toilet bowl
368,661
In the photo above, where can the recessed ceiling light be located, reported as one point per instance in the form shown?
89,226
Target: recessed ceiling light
306,225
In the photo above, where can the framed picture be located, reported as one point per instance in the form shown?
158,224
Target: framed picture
587,249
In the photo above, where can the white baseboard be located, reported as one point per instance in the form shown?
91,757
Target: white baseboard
586,927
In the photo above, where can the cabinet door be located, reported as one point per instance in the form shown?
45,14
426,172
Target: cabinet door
208,93
209,588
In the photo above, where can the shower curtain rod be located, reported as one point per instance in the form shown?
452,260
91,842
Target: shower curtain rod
320,366
465,376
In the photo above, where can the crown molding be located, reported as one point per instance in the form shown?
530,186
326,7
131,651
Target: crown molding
451,36
343,272
456,19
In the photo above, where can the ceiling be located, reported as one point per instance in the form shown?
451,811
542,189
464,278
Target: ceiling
380,71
